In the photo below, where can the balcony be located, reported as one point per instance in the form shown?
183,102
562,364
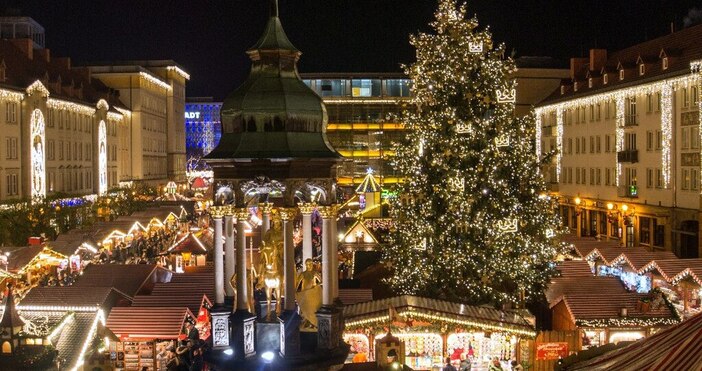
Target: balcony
631,155
630,191
630,120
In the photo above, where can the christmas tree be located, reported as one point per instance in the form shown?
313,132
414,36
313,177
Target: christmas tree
472,219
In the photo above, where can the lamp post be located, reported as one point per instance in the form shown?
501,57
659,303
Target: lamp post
578,214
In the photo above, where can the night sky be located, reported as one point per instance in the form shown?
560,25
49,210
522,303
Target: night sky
209,37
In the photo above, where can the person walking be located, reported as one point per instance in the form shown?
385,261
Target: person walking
516,366
448,366
495,365
465,363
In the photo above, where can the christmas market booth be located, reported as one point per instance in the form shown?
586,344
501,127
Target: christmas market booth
435,329
186,252
146,333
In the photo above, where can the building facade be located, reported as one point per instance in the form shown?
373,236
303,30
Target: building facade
153,149
625,136
203,129
59,126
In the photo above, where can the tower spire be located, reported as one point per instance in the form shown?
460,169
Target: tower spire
274,8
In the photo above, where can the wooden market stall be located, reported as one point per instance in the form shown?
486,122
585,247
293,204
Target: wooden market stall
434,329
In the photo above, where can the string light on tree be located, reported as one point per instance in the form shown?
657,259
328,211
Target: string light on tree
463,241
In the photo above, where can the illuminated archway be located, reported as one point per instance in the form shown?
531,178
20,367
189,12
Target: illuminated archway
38,176
102,158
6,347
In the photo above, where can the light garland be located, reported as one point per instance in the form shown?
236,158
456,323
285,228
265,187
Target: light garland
559,143
153,80
58,308
123,111
396,101
114,116
666,130
619,140
61,105
179,71
38,158
10,95
627,322
102,104
68,318
37,86
99,319
102,158
538,136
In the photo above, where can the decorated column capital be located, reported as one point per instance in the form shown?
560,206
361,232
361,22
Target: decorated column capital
287,213
328,212
307,208
217,212
266,207
241,213
230,211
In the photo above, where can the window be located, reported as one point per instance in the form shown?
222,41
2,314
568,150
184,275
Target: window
570,146
659,140
695,97
631,176
649,178
589,82
60,150
12,185
658,102
583,175
598,112
11,148
592,112
665,63
50,149
599,176
575,86
608,144
50,119
649,103
686,179
599,144
607,176
365,88
607,105
630,141
658,234
11,112
592,176
685,138
592,144
577,175
685,98
582,115
694,137
577,146
621,74
649,140
68,151
659,178
644,230
642,69
583,145
605,79
630,118
694,179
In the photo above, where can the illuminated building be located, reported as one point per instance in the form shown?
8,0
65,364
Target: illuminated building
626,130
203,130
59,126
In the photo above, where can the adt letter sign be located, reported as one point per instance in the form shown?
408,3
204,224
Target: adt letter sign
192,115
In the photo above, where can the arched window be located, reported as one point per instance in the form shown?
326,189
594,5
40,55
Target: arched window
38,169
6,347
102,158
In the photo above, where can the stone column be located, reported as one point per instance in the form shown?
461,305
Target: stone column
326,212
217,213
289,319
266,208
334,239
242,321
229,254
329,316
242,215
306,209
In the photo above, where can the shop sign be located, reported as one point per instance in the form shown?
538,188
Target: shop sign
551,351
192,115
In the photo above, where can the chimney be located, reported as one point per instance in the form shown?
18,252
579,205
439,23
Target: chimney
25,45
63,62
44,54
598,59
576,65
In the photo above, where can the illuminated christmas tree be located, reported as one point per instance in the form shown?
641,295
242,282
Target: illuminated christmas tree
473,221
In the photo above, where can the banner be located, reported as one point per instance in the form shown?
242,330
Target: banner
551,351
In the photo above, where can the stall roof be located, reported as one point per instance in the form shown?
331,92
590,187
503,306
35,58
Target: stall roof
583,285
355,296
377,311
126,278
604,310
574,268
21,256
188,244
78,298
669,268
675,348
637,258
194,301
148,323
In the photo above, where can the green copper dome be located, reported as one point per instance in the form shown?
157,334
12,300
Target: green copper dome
273,114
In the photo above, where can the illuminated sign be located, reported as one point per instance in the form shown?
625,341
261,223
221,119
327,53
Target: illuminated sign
192,115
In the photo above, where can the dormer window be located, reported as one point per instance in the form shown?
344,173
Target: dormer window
605,79
621,74
642,69
665,63
562,89
575,86
589,82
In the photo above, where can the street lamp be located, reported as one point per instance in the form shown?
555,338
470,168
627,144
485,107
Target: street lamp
578,209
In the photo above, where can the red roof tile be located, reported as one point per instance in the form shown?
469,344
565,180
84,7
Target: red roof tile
148,323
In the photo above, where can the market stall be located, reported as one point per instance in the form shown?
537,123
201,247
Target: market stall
186,252
146,333
434,329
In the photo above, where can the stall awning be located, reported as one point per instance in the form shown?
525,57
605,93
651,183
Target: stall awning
192,301
675,348
574,268
148,323
70,298
188,244
376,312
583,285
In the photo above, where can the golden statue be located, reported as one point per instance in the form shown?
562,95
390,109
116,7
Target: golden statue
270,273
309,295
251,273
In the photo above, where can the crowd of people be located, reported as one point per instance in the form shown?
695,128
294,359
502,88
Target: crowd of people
143,249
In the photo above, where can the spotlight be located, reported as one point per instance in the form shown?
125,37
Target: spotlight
267,356
229,351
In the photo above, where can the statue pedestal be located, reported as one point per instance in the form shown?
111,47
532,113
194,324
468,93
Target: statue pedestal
267,337
290,333
262,311
242,334
328,335
220,328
